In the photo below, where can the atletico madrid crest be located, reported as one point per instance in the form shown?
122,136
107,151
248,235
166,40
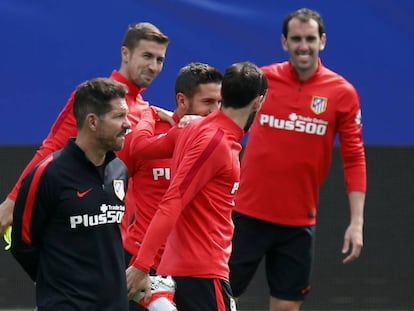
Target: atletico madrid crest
319,104
119,189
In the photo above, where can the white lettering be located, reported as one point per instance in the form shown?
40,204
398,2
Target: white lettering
235,187
310,128
93,220
264,118
300,126
321,129
85,220
297,123
75,220
161,172
102,218
289,125
109,214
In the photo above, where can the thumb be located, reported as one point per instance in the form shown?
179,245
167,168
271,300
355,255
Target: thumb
345,247
147,294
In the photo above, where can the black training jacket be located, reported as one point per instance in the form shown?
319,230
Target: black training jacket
66,234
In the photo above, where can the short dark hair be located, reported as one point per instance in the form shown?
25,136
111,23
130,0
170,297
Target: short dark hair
304,15
95,96
143,31
242,82
192,75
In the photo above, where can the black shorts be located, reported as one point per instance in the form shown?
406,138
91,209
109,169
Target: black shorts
288,253
203,294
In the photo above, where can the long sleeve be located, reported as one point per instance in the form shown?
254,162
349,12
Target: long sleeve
200,164
30,215
145,145
351,142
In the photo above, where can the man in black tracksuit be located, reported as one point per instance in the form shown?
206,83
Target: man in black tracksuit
66,220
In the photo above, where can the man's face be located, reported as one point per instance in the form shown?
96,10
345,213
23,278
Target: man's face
112,126
206,99
303,44
143,64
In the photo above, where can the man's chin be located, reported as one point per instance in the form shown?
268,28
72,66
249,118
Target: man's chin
146,81
119,145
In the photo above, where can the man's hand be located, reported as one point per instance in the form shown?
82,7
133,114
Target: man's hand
187,119
165,115
353,242
6,214
137,280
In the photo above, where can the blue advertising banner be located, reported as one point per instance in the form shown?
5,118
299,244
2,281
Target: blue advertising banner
48,47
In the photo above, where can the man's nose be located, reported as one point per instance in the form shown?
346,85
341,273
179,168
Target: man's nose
127,124
303,44
154,65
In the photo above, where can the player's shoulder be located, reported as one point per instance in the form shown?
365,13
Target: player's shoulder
119,164
337,79
202,129
46,170
52,163
275,68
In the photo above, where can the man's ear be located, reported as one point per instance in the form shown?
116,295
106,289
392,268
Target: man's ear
283,41
323,42
181,100
125,54
258,102
91,121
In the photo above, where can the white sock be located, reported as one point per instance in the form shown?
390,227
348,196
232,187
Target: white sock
161,304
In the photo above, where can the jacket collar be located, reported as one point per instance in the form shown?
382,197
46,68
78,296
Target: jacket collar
133,90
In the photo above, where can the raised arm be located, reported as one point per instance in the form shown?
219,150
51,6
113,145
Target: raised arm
145,144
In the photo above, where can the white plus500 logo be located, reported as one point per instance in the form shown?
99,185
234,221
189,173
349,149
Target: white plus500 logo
296,123
110,214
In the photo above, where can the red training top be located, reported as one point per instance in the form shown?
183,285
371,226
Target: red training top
288,153
151,176
195,213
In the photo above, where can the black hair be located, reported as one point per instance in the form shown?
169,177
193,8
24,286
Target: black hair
194,74
304,15
95,96
242,82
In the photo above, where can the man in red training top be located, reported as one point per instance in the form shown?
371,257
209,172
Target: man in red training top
195,212
286,160
142,57
197,92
